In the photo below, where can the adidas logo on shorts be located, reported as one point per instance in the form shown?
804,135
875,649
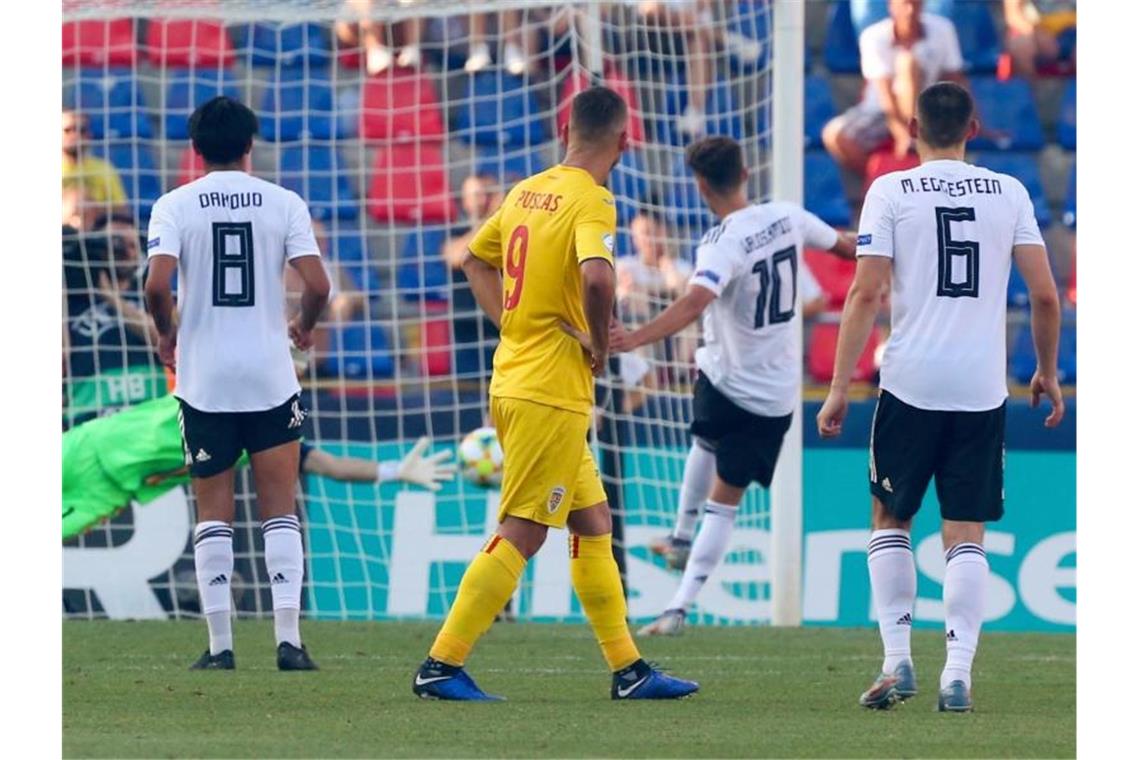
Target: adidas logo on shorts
202,456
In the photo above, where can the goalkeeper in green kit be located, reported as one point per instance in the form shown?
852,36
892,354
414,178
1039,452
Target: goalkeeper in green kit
137,455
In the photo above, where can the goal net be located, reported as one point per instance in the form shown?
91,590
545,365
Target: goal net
402,123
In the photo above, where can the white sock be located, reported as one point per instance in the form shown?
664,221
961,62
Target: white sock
963,596
894,586
285,563
708,550
700,466
214,567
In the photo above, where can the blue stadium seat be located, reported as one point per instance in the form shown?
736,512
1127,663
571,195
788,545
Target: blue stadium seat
188,90
138,171
683,200
422,273
112,101
1008,110
819,108
315,172
1070,212
1067,122
499,110
1023,361
823,189
348,250
1023,166
358,352
723,116
283,45
509,167
299,105
866,12
841,47
629,185
977,35
751,20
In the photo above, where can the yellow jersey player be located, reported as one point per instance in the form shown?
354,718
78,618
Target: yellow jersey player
542,269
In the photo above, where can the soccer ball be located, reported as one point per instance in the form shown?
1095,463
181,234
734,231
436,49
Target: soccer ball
481,458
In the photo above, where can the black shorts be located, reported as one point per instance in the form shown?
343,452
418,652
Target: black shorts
746,445
213,441
963,451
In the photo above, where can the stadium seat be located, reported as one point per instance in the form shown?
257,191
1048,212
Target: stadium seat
822,342
437,344
833,274
630,186
187,91
751,20
113,102
316,173
190,166
509,168
841,46
978,37
499,109
358,352
99,43
1008,114
616,81
347,248
421,274
400,105
1023,360
683,200
1070,208
298,105
823,189
884,162
1071,291
409,185
819,108
283,45
1023,166
195,43
138,171
722,114
866,12
1067,121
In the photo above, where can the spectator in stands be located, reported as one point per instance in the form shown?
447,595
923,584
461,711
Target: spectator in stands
91,186
518,43
1040,32
119,283
377,38
653,277
900,56
480,195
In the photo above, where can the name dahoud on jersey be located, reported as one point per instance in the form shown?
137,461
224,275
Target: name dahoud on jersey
229,200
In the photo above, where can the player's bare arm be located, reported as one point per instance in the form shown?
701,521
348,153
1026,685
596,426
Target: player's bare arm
680,314
160,304
1032,262
486,285
429,471
314,298
598,287
872,279
844,246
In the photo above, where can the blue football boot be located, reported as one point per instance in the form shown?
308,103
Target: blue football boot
890,688
955,698
642,681
438,680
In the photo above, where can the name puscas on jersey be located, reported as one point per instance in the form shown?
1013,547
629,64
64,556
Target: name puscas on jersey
949,228
752,261
232,235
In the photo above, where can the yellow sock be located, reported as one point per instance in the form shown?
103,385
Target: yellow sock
597,582
490,580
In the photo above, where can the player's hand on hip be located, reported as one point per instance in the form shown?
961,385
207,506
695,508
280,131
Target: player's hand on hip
427,471
302,338
1048,386
829,421
167,348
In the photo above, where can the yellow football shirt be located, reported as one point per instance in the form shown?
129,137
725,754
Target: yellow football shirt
548,224
99,180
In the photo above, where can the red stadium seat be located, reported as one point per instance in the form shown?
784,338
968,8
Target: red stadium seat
409,185
99,43
400,105
833,274
822,343
189,43
579,81
190,166
1071,292
437,342
884,162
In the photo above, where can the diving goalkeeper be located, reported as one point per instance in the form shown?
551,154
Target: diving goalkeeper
137,455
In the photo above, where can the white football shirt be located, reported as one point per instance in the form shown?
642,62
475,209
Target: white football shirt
232,235
949,228
937,53
753,261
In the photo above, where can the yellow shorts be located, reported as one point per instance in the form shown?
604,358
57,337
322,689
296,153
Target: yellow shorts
548,469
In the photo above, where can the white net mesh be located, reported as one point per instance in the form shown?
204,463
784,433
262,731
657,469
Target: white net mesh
401,123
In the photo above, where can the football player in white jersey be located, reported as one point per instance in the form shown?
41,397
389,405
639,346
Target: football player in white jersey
230,236
941,237
747,274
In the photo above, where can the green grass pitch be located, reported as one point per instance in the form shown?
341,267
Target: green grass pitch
764,692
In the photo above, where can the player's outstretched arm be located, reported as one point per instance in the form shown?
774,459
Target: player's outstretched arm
1045,320
844,246
486,283
680,314
872,278
160,304
428,471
